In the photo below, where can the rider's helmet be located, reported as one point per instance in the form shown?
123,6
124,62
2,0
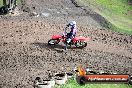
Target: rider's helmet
72,23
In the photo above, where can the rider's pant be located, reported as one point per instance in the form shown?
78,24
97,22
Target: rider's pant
69,37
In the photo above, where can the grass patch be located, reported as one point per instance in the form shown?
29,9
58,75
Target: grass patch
18,2
1,3
73,84
117,12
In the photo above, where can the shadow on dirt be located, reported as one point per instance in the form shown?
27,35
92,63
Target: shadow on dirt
97,17
58,48
101,20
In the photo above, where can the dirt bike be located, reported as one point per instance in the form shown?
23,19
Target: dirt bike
79,42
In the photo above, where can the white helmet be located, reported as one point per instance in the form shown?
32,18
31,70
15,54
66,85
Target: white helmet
72,23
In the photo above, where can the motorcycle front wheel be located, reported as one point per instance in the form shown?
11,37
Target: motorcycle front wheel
80,44
53,41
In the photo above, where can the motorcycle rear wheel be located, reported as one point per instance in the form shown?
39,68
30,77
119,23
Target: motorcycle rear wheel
53,41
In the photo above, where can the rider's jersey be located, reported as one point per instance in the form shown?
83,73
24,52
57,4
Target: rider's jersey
73,29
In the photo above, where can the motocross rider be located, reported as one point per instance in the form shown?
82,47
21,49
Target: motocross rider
73,30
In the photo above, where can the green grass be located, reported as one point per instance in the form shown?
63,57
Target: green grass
1,3
73,84
117,12
19,2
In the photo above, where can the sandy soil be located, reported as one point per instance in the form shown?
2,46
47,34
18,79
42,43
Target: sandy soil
24,53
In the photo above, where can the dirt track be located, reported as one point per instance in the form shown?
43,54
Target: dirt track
24,53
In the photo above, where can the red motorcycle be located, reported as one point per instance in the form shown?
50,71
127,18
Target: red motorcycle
79,42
